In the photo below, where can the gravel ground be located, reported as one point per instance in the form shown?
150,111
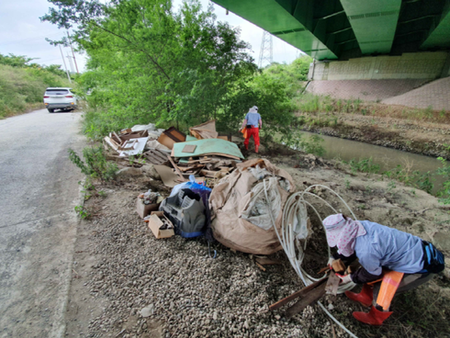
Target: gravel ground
189,293
128,284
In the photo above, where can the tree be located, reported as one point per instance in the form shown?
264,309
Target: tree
147,63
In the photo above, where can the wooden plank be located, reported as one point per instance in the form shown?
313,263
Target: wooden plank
128,145
321,271
186,168
267,261
260,266
297,294
176,169
159,155
118,138
212,174
310,298
189,148
113,144
153,160
332,284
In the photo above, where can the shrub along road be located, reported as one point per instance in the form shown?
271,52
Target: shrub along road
39,189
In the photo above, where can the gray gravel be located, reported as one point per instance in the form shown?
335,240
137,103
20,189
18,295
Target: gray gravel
174,283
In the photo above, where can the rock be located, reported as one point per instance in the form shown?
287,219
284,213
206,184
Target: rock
147,311
149,170
442,240
129,172
330,306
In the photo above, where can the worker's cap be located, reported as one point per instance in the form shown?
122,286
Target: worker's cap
342,232
333,222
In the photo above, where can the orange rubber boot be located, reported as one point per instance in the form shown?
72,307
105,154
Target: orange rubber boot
365,297
374,317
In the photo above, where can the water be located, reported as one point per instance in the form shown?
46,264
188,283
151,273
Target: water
386,158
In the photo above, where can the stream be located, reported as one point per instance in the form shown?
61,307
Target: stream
386,158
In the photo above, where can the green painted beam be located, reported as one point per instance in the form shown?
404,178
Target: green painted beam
374,23
281,18
440,36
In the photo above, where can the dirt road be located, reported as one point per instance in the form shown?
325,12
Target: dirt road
39,189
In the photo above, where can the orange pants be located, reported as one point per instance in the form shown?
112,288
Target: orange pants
252,132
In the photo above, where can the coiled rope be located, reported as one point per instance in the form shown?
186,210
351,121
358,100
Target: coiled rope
295,207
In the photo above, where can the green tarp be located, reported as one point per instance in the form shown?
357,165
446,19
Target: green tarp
210,146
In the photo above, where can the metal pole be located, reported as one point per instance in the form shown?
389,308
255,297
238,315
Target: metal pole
65,66
73,54
70,62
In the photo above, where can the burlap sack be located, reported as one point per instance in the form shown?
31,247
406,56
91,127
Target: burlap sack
232,196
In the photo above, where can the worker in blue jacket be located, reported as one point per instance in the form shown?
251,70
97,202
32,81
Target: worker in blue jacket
400,261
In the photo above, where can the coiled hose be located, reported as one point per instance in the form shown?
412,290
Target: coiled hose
295,207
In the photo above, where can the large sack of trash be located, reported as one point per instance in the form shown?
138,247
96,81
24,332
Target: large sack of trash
246,204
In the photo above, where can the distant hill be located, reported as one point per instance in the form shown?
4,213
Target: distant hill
22,84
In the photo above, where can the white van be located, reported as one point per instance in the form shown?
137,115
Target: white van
59,98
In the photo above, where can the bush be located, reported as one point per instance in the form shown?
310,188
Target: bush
96,165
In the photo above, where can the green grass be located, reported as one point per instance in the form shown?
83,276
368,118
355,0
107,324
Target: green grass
22,89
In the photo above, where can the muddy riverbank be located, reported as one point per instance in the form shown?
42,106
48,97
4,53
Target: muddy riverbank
425,138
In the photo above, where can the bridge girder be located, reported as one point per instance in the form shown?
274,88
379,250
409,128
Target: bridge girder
339,29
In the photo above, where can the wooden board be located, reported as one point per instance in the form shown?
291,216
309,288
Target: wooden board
189,148
310,298
110,142
155,156
297,294
268,261
332,284
176,169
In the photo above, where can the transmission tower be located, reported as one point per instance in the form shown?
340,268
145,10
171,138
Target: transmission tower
266,53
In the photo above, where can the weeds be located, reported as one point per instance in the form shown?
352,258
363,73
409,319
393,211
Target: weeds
310,103
444,194
82,212
365,166
313,145
96,165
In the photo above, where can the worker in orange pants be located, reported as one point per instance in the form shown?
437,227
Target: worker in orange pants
399,260
252,123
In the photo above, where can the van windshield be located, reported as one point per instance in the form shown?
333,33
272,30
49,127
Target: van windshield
56,92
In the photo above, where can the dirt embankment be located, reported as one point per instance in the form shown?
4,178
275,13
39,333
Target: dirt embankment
126,283
425,138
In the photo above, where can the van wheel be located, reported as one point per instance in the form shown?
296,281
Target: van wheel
50,110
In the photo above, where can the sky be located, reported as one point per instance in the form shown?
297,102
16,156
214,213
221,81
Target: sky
22,33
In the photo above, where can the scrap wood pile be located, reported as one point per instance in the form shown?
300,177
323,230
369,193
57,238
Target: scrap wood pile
139,141
205,154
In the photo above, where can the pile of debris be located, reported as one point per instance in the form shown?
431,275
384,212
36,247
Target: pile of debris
204,153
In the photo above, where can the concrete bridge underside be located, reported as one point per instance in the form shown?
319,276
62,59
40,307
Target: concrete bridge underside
344,29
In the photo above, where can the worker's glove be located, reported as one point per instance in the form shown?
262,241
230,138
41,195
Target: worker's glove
345,278
330,261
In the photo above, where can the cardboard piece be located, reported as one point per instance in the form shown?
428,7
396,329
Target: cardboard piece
145,209
205,130
189,148
155,223
338,266
169,178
